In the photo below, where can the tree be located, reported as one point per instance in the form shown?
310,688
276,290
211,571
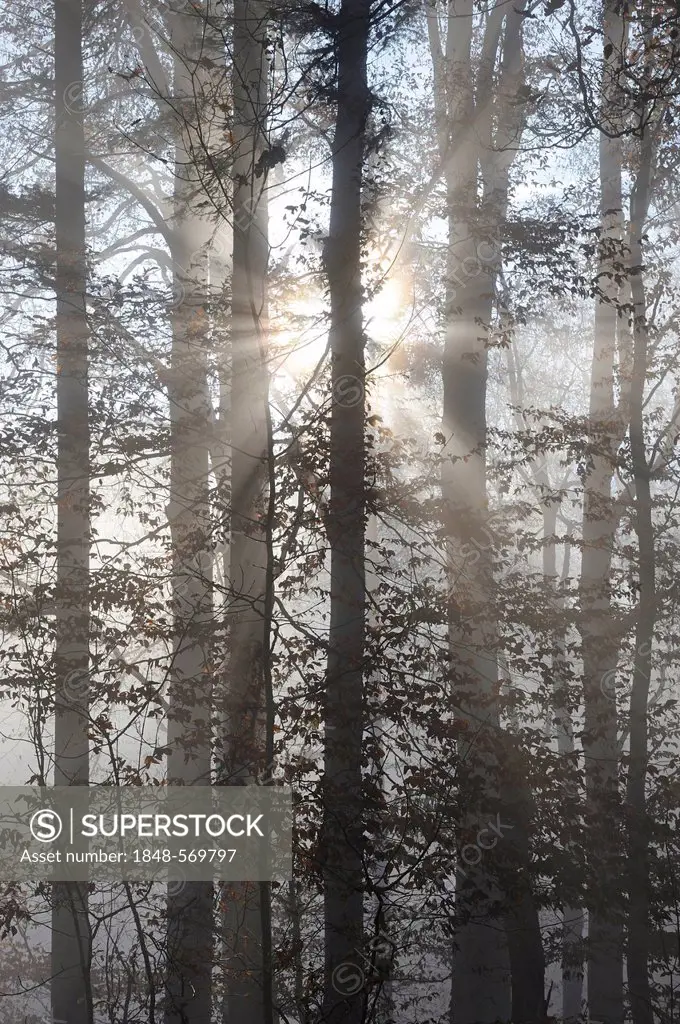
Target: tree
190,692
246,754
638,949
480,119
486,783
342,828
71,946
599,636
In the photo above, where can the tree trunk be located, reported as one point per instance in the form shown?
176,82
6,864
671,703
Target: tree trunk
479,122
573,918
71,938
638,826
381,944
481,983
480,990
599,639
520,917
342,830
190,917
248,725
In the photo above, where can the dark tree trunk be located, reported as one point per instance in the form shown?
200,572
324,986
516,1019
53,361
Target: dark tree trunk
521,920
71,939
479,122
573,915
638,951
343,875
248,725
599,637
190,913
480,989
481,980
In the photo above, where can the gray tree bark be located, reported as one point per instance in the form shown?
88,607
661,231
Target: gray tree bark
638,949
480,990
573,919
479,125
189,738
71,992
248,724
573,916
599,636
342,842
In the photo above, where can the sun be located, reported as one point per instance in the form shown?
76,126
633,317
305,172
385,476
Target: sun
302,343
384,312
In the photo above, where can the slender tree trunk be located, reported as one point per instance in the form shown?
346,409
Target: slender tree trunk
599,639
481,982
382,939
573,918
638,826
343,875
520,917
190,916
480,989
521,920
295,915
248,725
71,938
470,139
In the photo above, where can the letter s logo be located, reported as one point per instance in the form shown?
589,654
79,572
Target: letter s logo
45,826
